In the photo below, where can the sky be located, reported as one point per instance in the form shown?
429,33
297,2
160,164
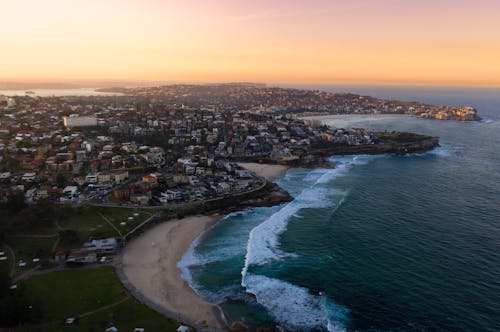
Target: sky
270,41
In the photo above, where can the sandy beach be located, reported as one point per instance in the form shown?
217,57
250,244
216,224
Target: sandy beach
267,171
150,264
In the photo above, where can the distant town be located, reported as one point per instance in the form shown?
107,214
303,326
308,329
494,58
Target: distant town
173,144
260,98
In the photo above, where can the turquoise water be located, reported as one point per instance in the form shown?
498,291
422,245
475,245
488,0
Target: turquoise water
380,243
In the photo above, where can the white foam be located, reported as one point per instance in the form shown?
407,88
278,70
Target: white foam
228,248
189,259
441,151
263,242
292,306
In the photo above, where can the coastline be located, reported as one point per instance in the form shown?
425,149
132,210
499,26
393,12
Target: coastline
150,264
150,267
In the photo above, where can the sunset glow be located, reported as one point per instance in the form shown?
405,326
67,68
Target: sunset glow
290,41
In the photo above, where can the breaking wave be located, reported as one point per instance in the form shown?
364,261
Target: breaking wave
293,306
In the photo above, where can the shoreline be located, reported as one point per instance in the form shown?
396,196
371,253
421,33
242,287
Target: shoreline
150,267
150,264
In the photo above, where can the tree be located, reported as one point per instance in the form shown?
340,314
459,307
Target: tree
60,180
15,201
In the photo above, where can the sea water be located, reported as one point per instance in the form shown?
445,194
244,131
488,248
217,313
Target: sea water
378,243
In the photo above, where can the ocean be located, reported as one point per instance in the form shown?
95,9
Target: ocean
78,92
379,243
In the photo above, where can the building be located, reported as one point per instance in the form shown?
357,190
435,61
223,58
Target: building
29,177
82,257
102,246
79,121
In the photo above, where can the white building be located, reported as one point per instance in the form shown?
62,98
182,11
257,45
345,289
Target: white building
79,121
28,177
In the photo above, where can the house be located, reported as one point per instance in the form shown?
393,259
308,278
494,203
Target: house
29,177
151,179
102,246
5,176
30,195
122,193
120,177
223,187
141,187
92,178
79,179
42,192
141,199
60,256
243,174
70,192
81,257
104,177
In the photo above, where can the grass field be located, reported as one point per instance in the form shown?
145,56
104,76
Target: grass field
400,137
88,222
71,293
118,215
26,249
126,316
7,264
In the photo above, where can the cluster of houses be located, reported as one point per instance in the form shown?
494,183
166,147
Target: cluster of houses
171,148
192,161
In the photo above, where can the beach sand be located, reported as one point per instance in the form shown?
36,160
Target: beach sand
150,264
267,171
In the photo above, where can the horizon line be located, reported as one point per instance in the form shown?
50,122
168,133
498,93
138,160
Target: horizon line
107,81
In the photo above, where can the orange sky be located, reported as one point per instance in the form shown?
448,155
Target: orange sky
278,41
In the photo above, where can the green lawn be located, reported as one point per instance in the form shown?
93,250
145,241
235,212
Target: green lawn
126,316
71,293
118,215
28,248
8,262
400,137
87,223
